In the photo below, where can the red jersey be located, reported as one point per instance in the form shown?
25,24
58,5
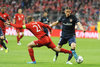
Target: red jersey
19,18
35,27
5,16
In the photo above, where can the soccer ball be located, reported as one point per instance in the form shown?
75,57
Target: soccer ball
79,60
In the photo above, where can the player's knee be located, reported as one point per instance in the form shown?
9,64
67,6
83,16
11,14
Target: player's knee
59,46
1,37
73,45
56,49
23,34
29,45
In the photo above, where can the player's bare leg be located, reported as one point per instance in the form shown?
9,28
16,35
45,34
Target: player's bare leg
57,53
62,50
3,44
31,52
21,36
18,36
73,46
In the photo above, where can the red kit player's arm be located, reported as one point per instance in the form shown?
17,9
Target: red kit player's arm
16,26
45,25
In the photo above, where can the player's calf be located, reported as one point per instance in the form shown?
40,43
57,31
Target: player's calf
73,45
62,50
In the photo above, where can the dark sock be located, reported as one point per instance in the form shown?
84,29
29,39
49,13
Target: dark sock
70,56
3,44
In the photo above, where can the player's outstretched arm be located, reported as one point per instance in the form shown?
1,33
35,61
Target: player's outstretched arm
45,25
16,26
80,26
54,23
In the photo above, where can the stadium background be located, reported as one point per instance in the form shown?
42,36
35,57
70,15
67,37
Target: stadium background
88,12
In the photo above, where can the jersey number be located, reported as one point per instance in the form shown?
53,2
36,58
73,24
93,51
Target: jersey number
38,28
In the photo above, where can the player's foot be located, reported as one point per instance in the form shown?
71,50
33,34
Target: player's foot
19,43
6,51
55,58
6,40
1,49
68,62
33,62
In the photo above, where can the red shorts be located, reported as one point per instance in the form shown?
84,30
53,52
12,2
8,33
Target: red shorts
45,41
20,30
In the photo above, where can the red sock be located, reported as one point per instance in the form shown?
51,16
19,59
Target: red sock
17,39
31,53
65,51
21,36
0,45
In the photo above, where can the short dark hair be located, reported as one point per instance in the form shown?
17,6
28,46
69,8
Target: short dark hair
68,8
29,18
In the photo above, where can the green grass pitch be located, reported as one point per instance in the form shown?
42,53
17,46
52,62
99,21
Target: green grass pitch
18,55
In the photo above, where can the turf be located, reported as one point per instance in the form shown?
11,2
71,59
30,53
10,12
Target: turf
18,55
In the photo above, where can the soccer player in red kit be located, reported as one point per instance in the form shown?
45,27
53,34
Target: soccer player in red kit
43,39
5,16
19,19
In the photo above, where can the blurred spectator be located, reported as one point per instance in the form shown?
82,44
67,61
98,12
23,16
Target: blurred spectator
88,11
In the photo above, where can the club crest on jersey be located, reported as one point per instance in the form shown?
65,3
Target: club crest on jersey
4,15
71,20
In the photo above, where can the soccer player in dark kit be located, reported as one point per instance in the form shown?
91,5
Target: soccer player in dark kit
68,32
45,20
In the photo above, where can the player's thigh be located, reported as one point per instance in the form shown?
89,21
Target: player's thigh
31,44
42,41
51,44
1,34
62,41
72,42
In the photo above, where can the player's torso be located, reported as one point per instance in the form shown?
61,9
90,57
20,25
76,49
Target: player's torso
68,26
36,29
19,18
44,20
5,17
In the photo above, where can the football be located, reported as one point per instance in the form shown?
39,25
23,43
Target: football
79,60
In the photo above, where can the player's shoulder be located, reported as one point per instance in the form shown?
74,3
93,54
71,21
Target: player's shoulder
6,14
73,16
22,14
16,14
38,22
62,16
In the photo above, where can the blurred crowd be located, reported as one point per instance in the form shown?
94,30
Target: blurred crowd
87,11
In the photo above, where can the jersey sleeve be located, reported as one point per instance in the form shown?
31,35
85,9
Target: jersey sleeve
2,19
75,19
60,19
16,25
45,25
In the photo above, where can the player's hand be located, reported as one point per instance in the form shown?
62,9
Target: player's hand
7,23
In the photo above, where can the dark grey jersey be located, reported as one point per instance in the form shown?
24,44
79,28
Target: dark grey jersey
68,25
